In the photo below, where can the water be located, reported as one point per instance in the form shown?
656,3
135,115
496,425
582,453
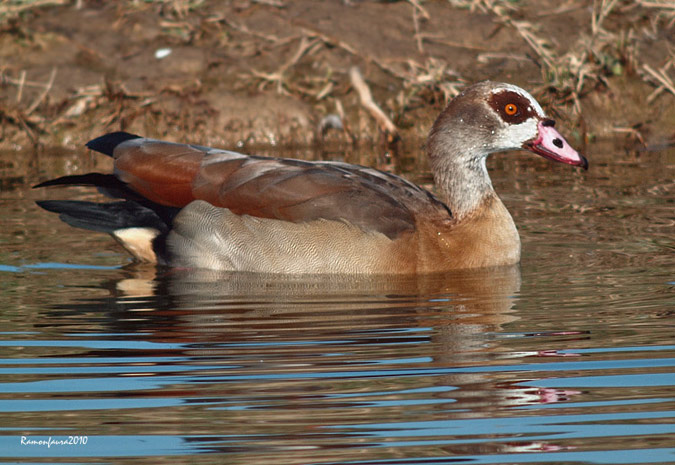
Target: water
568,358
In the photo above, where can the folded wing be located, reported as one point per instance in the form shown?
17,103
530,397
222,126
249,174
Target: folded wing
174,175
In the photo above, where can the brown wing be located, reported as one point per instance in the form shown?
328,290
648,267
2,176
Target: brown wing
160,171
285,189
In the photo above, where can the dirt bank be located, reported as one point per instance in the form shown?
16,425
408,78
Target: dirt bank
249,72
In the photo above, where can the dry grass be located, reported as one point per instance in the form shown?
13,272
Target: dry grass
11,9
596,56
661,78
606,47
604,52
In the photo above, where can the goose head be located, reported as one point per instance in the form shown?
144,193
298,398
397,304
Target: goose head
485,118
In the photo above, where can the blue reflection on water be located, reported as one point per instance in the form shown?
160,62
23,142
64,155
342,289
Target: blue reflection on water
54,266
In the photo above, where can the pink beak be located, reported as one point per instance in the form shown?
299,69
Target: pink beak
552,145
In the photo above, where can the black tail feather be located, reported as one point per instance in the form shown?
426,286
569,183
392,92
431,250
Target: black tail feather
107,143
89,179
105,217
107,184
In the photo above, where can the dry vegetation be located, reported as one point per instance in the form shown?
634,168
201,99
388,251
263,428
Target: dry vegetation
279,71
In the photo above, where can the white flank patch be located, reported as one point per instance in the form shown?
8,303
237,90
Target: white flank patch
138,241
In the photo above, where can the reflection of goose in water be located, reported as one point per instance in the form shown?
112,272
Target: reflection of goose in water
331,350
193,206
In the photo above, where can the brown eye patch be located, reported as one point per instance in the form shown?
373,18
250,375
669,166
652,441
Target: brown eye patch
511,106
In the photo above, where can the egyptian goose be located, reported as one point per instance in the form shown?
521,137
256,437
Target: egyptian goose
193,206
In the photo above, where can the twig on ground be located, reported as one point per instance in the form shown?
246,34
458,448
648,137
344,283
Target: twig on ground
452,43
4,79
28,124
660,76
486,57
418,35
418,9
331,41
244,29
633,132
22,82
366,97
278,76
352,51
600,13
274,3
44,93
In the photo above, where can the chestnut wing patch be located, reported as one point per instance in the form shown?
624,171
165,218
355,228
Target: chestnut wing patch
159,171
285,189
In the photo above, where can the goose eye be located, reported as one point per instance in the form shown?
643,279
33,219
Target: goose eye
511,109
